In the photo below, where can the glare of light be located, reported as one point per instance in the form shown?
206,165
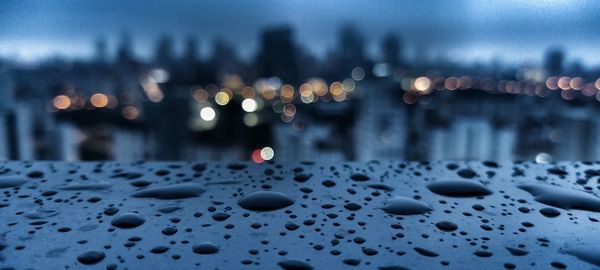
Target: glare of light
358,73
251,119
382,70
576,83
564,83
552,83
339,98
267,87
249,105
208,114
222,98
159,75
319,87
256,157
336,88
267,153
597,84
287,93
113,102
248,92
278,106
289,110
200,95
130,112
451,83
349,85
286,119
410,97
589,90
77,102
567,94
306,90
61,102
422,84
307,99
99,100
543,158
151,88
233,81
465,82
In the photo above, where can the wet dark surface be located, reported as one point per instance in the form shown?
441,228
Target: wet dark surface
377,215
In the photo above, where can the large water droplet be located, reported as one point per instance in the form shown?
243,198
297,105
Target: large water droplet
294,265
91,257
205,248
564,198
171,192
265,201
128,220
459,188
405,206
11,181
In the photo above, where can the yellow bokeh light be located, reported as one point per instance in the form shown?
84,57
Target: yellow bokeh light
336,88
222,98
99,100
61,102
287,93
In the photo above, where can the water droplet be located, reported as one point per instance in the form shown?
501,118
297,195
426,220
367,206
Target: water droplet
265,201
171,192
459,188
564,198
405,206
205,248
91,257
128,220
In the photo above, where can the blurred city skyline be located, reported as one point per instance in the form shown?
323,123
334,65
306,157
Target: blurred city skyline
513,32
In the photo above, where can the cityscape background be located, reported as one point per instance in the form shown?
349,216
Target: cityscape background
218,81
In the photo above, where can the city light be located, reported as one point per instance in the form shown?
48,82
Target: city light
222,98
250,119
382,70
61,102
159,75
256,156
249,105
422,84
349,85
358,73
200,95
151,88
287,93
289,110
99,100
267,153
130,112
208,114
543,158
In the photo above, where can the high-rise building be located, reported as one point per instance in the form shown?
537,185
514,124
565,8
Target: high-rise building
277,55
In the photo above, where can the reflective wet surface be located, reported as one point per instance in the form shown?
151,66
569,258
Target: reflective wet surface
376,215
